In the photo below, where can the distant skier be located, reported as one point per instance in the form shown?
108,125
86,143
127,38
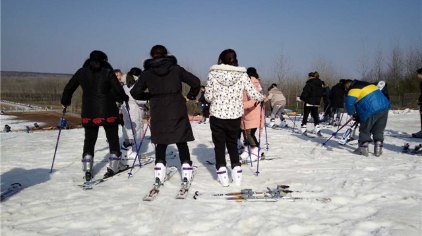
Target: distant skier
224,90
326,101
252,119
278,102
135,116
204,106
100,92
170,124
370,107
419,72
311,96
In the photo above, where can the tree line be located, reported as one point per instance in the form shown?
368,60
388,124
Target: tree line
397,68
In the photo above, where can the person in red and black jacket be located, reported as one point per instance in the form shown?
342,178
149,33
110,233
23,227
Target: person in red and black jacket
100,92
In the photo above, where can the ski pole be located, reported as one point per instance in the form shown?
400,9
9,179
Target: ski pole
58,138
259,139
335,133
137,151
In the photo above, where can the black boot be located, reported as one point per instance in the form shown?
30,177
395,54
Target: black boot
362,149
378,148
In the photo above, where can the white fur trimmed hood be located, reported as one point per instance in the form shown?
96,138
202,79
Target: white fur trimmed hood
227,75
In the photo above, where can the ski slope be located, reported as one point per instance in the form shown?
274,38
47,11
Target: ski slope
369,196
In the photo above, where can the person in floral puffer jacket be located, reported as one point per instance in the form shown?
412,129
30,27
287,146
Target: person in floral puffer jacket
224,91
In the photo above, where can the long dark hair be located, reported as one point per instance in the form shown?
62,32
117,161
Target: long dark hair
228,57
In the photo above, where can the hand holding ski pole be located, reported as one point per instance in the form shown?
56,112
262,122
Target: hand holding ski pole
58,138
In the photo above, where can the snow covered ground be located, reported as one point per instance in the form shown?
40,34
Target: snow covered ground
369,196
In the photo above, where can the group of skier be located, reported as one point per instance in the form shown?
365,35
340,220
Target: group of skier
232,98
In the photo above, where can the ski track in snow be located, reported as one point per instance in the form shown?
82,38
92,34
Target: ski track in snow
369,196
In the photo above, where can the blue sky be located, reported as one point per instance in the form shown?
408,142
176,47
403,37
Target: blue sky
57,36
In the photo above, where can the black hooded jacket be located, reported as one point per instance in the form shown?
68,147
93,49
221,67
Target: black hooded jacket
312,92
337,96
169,117
100,92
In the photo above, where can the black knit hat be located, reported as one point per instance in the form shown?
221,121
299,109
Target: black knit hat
97,55
419,71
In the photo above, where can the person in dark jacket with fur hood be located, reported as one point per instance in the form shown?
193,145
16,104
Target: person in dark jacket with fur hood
311,96
100,92
337,96
170,124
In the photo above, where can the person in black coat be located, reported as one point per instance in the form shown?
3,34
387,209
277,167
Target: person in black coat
419,73
337,96
100,92
326,100
311,96
170,124
204,106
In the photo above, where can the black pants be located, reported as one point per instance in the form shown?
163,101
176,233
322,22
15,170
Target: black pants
160,153
420,113
314,114
250,136
375,125
91,135
225,133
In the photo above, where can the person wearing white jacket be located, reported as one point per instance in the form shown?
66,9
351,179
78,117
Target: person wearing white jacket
135,117
224,91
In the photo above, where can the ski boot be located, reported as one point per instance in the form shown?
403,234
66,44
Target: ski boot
160,172
378,148
237,175
187,172
318,130
87,164
272,123
303,130
223,177
283,123
114,166
362,149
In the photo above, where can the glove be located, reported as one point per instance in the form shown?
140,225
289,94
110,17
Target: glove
355,117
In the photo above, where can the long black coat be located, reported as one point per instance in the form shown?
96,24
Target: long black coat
100,92
169,117
337,96
312,92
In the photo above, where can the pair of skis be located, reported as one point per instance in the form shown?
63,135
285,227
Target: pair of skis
11,190
170,172
281,192
88,185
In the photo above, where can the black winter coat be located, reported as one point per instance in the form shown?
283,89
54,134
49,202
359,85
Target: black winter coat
169,116
312,92
100,92
337,96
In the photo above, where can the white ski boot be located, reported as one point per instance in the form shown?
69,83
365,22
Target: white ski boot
223,177
187,172
378,148
245,157
318,130
303,129
160,172
272,123
237,175
283,124
114,166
